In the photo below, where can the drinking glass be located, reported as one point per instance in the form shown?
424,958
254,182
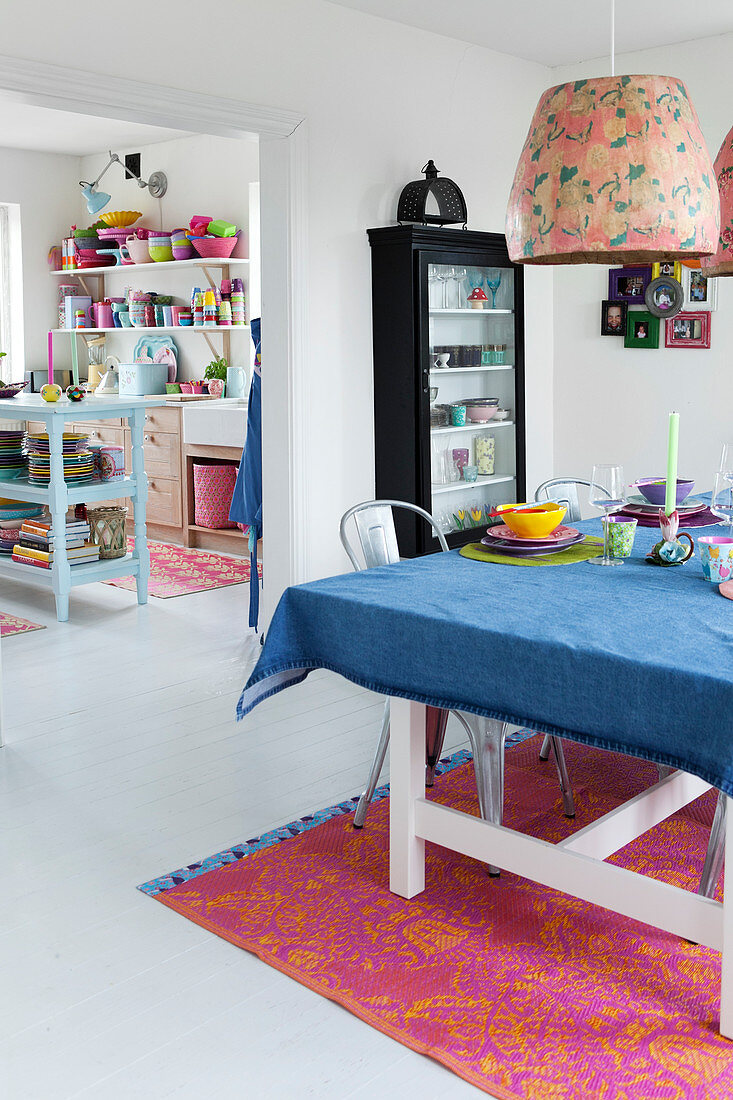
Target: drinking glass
726,459
449,275
607,492
493,282
460,275
721,503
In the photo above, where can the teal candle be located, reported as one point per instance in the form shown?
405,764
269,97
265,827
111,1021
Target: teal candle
670,497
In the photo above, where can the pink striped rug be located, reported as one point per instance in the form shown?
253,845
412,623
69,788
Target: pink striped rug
523,991
11,624
180,571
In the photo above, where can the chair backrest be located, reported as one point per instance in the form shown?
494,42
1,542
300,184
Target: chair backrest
375,529
564,490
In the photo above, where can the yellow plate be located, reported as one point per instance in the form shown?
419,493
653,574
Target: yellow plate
118,219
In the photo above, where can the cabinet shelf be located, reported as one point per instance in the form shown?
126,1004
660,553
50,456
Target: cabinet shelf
20,488
488,426
469,312
457,486
440,371
112,269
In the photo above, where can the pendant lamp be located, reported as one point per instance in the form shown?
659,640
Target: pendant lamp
721,262
614,170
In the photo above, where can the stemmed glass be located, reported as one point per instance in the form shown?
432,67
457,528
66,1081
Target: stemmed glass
721,503
460,276
493,284
449,276
726,460
607,492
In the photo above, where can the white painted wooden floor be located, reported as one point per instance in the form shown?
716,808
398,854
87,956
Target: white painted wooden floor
123,761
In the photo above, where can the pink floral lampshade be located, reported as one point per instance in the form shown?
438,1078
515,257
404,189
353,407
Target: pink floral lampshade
614,170
721,262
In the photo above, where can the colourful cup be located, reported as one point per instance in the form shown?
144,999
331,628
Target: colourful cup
458,416
716,555
470,473
160,249
621,534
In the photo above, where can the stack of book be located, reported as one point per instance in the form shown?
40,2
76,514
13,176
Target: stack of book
36,544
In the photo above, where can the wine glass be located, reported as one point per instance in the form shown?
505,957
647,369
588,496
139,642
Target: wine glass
721,503
493,282
607,492
461,274
726,459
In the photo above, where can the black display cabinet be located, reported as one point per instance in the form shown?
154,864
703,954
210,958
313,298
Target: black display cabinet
428,336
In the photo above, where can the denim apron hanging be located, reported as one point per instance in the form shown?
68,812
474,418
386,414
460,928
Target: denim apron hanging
246,506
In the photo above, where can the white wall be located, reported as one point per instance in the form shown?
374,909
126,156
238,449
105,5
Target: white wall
206,175
45,186
611,404
380,98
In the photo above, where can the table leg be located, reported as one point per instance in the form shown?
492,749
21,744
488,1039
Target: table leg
141,552
726,977
61,570
407,783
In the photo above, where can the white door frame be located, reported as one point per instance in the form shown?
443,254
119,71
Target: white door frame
283,149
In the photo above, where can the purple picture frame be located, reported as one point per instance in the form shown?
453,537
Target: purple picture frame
619,289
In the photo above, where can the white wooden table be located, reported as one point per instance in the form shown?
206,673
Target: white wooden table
574,866
62,577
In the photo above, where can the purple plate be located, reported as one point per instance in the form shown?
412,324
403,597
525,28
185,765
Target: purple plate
530,551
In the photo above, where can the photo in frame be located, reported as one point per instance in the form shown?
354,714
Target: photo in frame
672,268
613,318
664,296
688,330
628,284
642,329
700,292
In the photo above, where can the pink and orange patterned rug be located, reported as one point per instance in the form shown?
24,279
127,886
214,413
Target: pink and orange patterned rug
523,991
179,571
11,624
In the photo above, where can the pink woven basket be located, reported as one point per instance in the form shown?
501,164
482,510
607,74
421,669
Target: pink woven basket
220,247
213,487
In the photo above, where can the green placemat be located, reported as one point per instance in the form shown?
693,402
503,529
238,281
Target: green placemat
588,548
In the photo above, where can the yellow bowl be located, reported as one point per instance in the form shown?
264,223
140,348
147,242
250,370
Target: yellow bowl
538,523
118,219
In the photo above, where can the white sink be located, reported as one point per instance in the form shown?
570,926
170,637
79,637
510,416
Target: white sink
221,423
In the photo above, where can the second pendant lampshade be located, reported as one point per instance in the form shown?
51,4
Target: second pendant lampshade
614,170
721,262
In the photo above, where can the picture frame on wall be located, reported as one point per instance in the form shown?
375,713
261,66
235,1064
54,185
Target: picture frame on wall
642,329
664,296
613,318
700,292
628,284
688,330
671,268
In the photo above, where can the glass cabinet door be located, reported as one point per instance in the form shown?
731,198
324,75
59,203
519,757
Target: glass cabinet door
472,349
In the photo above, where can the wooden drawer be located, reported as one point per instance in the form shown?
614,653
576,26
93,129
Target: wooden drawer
101,433
162,455
163,419
164,501
108,422
36,426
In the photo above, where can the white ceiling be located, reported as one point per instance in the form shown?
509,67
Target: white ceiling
558,32
23,126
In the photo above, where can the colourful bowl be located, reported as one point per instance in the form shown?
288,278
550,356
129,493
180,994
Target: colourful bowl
160,249
654,489
535,523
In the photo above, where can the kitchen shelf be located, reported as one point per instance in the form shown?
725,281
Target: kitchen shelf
20,488
468,370
157,328
490,425
111,269
466,312
457,486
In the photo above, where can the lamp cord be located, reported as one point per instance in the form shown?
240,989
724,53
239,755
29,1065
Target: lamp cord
613,37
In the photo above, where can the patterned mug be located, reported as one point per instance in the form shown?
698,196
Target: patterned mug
621,534
716,555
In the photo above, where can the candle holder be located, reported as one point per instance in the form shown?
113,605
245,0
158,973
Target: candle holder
670,551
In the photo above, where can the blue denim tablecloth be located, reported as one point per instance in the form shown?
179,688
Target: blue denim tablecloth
638,659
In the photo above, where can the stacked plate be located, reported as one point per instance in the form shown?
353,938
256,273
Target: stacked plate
12,459
78,461
501,538
639,506
18,510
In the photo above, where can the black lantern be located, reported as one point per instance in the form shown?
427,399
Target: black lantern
447,194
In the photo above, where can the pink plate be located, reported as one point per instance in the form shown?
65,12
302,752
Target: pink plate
559,535
726,589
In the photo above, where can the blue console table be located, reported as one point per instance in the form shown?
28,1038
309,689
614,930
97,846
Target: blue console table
62,577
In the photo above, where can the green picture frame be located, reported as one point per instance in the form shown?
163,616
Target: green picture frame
642,329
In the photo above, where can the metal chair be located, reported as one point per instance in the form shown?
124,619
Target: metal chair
374,522
715,854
